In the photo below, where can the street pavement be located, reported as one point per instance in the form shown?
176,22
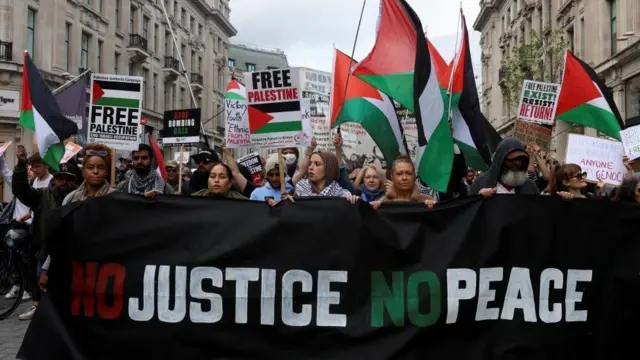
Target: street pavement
11,333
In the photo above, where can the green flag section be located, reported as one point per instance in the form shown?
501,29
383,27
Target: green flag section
40,113
469,124
235,91
363,104
585,100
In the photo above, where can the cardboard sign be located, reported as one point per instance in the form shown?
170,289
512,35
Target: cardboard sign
533,133
307,130
4,147
600,158
182,157
115,110
237,132
181,127
70,150
275,118
538,102
631,141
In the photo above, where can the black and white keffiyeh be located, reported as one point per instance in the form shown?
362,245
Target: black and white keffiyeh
137,185
303,188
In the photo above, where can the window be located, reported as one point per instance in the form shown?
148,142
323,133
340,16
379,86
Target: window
231,63
100,5
116,61
199,65
132,23
192,25
145,80
131,69
145,27
155,94
99,59
570,39
156,38
31,31
271,67
194,60
183,51
181,98
183,16
118,20
251,67
67,50
632,95
84,51
200,29
168,44
614,26
175,9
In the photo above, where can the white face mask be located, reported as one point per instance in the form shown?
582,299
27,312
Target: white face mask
290,159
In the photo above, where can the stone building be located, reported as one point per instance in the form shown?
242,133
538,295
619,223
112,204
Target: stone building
128,37
604,33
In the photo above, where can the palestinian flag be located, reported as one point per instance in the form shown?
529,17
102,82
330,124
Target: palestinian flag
157,154
409,76
585,100
365,105
442,69
41,114
469,124
116,94
236,91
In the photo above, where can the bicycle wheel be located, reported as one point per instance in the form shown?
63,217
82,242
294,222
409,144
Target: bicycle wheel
11,274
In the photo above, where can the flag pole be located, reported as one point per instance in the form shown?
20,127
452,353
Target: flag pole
70,82
453,70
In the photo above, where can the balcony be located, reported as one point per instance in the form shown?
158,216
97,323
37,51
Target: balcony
171,68
6,51
138,48
197,81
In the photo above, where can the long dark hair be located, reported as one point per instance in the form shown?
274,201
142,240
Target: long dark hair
561,173
627,191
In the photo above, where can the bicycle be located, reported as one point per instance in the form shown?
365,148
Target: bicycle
12,269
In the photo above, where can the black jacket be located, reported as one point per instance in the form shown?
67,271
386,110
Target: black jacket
489,179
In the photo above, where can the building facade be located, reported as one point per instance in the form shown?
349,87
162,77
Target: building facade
604,33
127,37
246,58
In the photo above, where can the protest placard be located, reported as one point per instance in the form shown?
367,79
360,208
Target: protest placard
538,102
4,147
253,163
115,111
181,127
631,141
307,130
236,111
182,157
70,150
600,158
275,118
533,133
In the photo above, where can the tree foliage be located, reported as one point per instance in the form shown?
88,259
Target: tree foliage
539,59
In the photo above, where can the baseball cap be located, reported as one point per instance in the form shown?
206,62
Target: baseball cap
69,168
172,163
207,155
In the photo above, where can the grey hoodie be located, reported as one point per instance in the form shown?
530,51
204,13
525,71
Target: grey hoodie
489,179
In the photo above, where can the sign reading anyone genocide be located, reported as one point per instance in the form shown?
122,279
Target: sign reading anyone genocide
115,111
600,158
181,127
538,102
399,283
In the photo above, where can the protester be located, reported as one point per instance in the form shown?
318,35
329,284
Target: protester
629,191
40,201
291,156
322,178
220,184
508,172
538,171
144,181
204,161
271,192
469,178
39,177
126,165
403,185
95,170
369,183
570,182
173,176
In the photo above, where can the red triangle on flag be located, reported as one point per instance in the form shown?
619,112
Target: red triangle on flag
577,86
257,119
233,85
97,92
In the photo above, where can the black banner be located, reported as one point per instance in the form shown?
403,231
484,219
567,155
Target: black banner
181,127
197,278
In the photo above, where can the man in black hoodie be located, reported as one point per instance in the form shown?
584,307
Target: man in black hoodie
508,172
205,160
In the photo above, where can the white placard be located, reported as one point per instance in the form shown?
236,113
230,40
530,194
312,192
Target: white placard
538,102
631,142
307,130
600,158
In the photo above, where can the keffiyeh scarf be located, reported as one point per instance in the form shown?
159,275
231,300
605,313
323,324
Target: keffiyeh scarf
303,188
139,186
80,194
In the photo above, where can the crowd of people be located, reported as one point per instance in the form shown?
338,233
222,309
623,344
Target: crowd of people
516,169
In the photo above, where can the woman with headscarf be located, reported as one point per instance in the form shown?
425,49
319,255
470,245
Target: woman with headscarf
220,184
95,170
370,183
403,185
322,178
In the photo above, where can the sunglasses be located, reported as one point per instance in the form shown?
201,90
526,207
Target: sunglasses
580,176
102,153
202,161
171,169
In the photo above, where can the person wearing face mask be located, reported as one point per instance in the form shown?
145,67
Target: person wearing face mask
508,172
291,156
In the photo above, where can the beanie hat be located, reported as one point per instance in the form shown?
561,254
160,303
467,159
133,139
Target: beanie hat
272,163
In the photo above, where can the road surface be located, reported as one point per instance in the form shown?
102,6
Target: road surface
11,333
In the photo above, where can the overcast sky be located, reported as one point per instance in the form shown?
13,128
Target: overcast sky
307,30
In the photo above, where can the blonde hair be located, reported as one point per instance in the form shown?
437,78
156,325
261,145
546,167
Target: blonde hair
360,178
392,193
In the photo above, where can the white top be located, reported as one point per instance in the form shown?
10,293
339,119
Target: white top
21,209
503,190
